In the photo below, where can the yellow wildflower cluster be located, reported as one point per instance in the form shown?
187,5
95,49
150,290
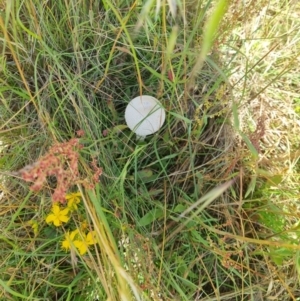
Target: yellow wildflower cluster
58,216
73,200
80,238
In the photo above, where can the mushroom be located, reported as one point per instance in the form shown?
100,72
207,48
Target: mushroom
144,115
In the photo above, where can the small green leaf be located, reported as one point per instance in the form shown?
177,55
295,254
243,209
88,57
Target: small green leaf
151,216
281,254
180,208
251,187
145,173
274,181
154,192
50,232
197,237
188,121
119,128
160,160
252,149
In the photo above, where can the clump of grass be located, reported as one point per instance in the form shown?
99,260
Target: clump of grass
184,215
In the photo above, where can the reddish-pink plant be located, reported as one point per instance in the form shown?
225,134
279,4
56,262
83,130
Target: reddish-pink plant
97,171
61,161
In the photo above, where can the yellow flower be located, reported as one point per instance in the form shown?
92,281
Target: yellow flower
84,242
81,245
34,225
91,238
58,216
73,199
79,240
69,240
84,225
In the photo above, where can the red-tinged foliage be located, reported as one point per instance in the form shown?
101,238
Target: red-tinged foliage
171,75
97,171
61,161
80,133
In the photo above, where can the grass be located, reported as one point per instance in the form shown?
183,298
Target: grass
206,209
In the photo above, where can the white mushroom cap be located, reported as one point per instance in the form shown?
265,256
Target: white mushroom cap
144,115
